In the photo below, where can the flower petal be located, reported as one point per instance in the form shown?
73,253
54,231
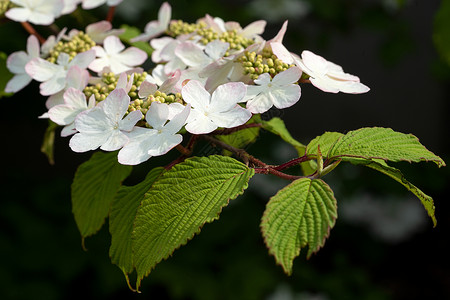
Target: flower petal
226,96
195,94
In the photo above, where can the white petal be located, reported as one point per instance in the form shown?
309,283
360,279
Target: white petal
157,115
315,63
86,142
254,28
53,85
164,143
68,130
17,83
178,121
77,78
200,124
226,96
232,118
281,52
113,45
325,84
63,114
191,54
18,14
288,76
33,46
286,96
216,49
165,14
133,56
136,150
16,62
260,104
75,98
83,59
115,141
130,120
116,104
40,69
146,88
195,94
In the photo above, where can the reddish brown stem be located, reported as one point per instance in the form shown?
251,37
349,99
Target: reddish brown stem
227,131
292,163
32,31
110,15
304,80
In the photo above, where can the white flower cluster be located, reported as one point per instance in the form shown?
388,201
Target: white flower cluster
208,75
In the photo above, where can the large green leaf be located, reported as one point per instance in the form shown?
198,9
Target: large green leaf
398,176
373,143
121,219
180,202
242,138
94,187
300,214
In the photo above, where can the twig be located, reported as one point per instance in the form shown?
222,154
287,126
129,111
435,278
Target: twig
110,15
32,31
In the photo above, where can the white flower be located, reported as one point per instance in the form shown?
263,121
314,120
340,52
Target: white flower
217,110
98,31
39,12
76,78
53,76
145,143
328,76
155,28
112,56
281,91
16,64
90,4
65,114
103,126
197,57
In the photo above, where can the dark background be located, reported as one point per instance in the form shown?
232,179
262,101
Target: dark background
383,245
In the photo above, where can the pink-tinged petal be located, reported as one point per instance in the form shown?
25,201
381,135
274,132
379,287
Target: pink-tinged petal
113,45
116,104
253,91
289,76
157,115
231,118
260,104
99,64
93,121
314,62
170,85
352,87
53,85
281,52
216,49
99,51
178,121
124,83
324,84
226,96
158,45
200,124
17,83
83,59
77,78
127,123
55,99
146,89
263,79
90,4
115,141
286,96
68,130
174,109
83,143
254,28
280,35
16,62
75,98
41,70
191,54
195,94
165,14
18,14
98,27
63,114
133,56
33,46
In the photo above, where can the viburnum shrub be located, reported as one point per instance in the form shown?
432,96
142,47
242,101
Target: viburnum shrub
210,81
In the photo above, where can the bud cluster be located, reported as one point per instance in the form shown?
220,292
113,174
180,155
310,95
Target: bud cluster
79,43
257,64
144,104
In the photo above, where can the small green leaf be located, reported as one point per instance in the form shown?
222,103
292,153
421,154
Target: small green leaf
277,126
300,214
121,219
48,144
131,32
398,176
242,138
94,187
373,143
180,202
5,75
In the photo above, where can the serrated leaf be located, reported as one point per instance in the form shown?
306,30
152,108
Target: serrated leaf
131,32
94,187
374,143
326,141
299,215
121,219
398,176
180,202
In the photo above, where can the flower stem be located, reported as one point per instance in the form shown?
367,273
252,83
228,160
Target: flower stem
32,31
110,15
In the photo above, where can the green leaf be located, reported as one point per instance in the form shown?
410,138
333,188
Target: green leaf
277,126
373,143
123,211
48,144
94,187
180,202
398,176
5,75
131,32
441,31
242,138
300,214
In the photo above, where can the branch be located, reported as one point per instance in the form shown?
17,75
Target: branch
30,29
110,15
